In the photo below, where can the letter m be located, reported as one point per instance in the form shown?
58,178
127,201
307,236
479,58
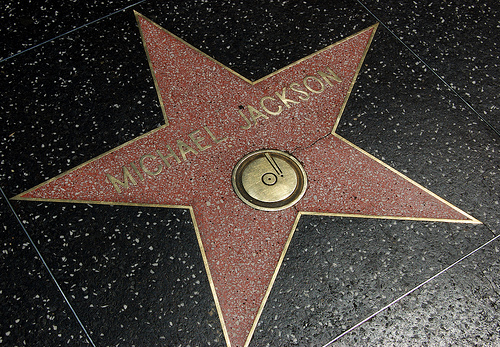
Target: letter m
117,183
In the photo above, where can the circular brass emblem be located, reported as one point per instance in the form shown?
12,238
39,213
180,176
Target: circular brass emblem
269,180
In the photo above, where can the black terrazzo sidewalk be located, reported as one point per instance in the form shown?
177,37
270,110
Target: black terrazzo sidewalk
134,276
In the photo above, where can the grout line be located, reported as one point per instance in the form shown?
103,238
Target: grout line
71,31
411,291
432,70
48,269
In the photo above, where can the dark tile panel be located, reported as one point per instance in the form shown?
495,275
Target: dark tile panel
135,275
459,308
402,114
24,24
256,38
457,39
338,271
33,312
70,101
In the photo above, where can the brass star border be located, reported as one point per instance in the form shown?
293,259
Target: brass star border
214,117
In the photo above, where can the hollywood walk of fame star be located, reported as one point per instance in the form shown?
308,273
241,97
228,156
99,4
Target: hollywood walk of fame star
214,118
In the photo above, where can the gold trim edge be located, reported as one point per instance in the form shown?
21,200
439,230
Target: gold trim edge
358,69
210,280
343,215
19,196
471,218
198,238
273,279
268,75
151,70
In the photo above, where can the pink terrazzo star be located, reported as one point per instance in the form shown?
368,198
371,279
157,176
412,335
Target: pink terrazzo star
215,117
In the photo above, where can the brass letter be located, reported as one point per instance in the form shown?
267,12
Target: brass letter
216,140
309,88
184,149
170,155
141,177
148,172
117,183
333,76
294,86
255,114
197,140
273,113
284,99
245,127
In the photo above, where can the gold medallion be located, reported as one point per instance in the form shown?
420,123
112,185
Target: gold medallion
269,180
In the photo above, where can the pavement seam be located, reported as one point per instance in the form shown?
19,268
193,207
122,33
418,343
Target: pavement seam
70,31
433,71
411,291
47,268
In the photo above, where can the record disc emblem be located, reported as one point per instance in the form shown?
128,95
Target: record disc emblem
269,180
